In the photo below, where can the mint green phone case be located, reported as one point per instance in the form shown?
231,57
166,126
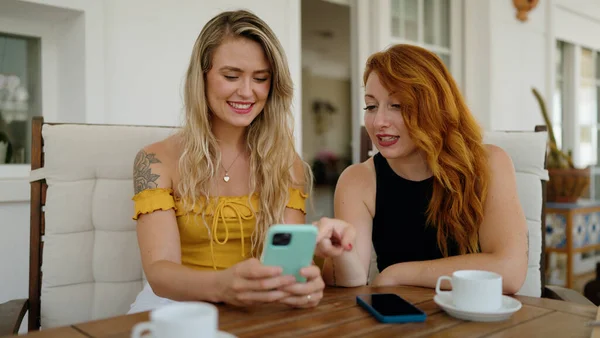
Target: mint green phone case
296,254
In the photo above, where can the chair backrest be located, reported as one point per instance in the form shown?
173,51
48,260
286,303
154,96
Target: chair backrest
528,153
82,235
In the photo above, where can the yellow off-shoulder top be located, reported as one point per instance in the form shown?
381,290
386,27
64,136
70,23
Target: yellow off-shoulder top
230,218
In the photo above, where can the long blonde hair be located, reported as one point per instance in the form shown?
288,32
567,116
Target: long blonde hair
441,125
269,137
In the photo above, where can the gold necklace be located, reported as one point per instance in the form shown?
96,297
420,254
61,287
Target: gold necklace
226,177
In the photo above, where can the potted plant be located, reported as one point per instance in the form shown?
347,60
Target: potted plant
566,183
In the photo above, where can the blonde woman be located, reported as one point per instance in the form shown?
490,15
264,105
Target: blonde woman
205,196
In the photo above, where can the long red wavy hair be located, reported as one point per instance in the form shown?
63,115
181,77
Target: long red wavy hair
442,127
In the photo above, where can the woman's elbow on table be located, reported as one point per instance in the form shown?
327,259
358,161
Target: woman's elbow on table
352,283
514,276
512,284
346,283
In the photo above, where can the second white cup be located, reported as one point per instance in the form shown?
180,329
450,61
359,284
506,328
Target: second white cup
181,320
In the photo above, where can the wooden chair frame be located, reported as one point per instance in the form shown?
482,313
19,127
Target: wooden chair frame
13,312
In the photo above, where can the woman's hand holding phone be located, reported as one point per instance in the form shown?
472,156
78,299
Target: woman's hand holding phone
307,294
333,238
251,283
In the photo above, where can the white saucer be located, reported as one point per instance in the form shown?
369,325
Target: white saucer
223,334
509,306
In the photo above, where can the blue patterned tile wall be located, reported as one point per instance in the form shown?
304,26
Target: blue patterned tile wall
593,222
586,230
556,225
580,231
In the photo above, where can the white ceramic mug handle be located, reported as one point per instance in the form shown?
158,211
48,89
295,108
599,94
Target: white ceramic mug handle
439,283
141,329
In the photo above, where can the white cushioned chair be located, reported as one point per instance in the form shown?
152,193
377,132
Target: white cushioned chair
528,153
84,257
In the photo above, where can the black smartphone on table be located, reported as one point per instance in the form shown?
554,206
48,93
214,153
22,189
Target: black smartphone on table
390,308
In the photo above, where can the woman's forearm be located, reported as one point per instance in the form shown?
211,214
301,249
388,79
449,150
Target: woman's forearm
426,273
345,270
180,283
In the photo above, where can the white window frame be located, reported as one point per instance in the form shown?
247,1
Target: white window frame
559,78
86,15
456,33
571,69
9,172
595,170
570,122
571,23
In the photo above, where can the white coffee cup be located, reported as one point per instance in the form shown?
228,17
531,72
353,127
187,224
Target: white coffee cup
474,290
181,320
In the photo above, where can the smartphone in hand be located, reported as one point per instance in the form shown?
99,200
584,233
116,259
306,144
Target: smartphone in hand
390,308
290,246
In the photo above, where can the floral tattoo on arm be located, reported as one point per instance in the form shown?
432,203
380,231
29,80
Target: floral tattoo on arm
143,178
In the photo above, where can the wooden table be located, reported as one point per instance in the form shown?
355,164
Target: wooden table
338,316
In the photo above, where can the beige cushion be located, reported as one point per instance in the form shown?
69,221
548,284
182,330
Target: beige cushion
527,151
91,262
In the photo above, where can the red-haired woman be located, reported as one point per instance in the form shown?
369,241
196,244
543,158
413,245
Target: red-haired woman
435,199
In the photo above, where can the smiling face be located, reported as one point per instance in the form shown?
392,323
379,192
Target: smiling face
384,121
238,84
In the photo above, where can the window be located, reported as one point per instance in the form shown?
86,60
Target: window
576,108
593,93
587,109
559,94
425,23
578,90
20,90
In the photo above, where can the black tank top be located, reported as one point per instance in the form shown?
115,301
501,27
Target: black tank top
400,233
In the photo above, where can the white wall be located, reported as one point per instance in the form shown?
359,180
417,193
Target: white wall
326,38
578,22
504,59
148,47
477,68
78,26
70,47
14,250
124,61
518,58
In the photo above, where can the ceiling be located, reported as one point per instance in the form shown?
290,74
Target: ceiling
326,29
22,9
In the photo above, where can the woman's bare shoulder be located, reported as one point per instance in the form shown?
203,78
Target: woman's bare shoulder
169,150
499,159
358,177
357,186
155,165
